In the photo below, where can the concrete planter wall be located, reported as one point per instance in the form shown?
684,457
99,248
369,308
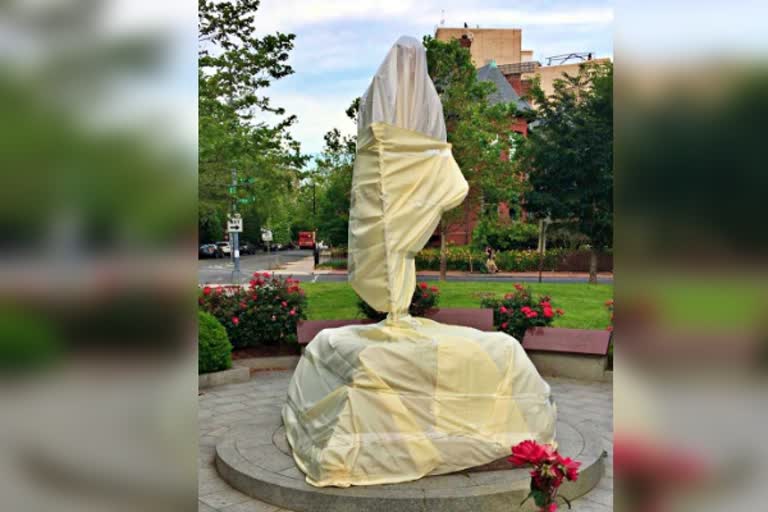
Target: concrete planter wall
231,376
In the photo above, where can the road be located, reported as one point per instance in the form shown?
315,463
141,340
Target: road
220,271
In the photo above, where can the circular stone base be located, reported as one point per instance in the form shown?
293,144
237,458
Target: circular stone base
255,459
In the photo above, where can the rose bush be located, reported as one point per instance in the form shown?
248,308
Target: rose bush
423,301
520,310
549,470
264,313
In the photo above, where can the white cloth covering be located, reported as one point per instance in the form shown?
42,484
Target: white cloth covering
402,94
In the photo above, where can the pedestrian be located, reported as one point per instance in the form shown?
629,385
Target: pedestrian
490,263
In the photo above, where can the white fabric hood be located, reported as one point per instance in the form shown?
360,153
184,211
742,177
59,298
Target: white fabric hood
402,94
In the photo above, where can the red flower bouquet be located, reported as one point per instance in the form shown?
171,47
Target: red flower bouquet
549,470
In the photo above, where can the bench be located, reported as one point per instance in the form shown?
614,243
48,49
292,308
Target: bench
575,353
481,319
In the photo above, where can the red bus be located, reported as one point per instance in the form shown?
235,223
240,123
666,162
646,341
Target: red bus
306,239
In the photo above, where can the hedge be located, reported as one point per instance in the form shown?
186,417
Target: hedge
214,352
526,260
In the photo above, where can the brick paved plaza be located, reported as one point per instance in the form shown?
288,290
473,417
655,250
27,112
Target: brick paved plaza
223,407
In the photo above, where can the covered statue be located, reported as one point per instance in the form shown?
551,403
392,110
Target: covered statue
406,397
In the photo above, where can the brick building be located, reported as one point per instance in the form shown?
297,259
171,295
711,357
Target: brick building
500,59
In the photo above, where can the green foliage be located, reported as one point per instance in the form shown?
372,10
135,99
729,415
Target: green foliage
336,264
335,166
520,310
457,258
503,236
27,341
234,66
424,300
265,313
479,132
569,155
214,352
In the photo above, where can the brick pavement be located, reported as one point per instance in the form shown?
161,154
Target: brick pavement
220,408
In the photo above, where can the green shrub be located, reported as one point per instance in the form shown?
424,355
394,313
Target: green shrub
334,264
214,352
27,341
521,260
520,310
457,257
423,301
265,313
338,253
505,236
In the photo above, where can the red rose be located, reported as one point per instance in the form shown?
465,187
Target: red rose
570,467
284,304
518,287
434,289
265,274
552,507
424,295
545,304
243,305
533,314
532,452
504,325
292,312
423,286
503,309
235,320
559,312
207,290
548,312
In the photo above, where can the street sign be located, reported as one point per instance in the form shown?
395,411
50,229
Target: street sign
266,235
235,223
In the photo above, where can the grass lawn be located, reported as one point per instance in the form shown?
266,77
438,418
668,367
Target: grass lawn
584,304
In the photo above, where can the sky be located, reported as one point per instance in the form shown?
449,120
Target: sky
340,44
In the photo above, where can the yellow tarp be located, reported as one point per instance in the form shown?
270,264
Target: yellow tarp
403,181
407,397
386,403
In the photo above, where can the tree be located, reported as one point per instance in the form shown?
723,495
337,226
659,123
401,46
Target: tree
335,165
329,184
569,156
234,67
481,135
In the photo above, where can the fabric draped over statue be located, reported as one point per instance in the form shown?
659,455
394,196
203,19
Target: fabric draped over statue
407,397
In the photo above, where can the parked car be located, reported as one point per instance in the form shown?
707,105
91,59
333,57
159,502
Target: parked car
224,247
209,251
274,246
247,248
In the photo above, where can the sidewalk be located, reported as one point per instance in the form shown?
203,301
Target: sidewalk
306,267
512,275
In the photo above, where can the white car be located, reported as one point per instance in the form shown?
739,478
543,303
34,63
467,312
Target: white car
224,247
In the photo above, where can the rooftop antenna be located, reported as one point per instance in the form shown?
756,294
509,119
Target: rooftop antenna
442,18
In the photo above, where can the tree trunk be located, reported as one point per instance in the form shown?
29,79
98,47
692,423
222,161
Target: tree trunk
592,265
443,256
